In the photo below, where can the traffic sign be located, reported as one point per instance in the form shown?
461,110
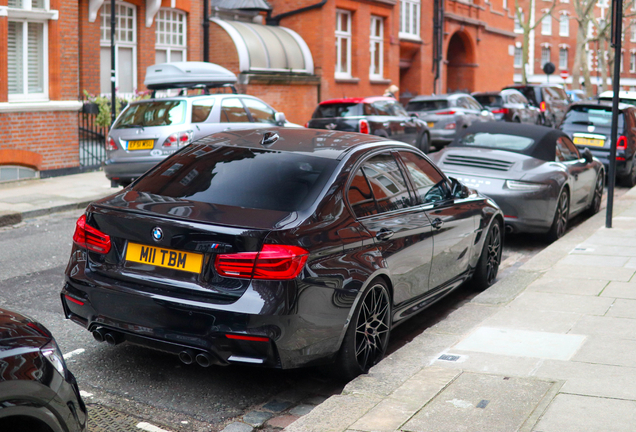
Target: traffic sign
564,74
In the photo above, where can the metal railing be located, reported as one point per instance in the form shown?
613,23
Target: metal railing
92,140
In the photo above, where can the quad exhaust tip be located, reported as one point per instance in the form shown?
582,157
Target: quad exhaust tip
110,337
186,357
203,360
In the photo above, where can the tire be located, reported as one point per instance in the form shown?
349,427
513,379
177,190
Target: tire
367,336
630,179
424,143
561,215
488,264
516,120
595,205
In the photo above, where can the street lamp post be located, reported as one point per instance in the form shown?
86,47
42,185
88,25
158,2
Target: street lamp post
112,63
617,32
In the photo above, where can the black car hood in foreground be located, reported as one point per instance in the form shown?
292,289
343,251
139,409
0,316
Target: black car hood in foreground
14,326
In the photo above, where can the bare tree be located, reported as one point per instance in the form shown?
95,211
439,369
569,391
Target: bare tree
584,13
524,18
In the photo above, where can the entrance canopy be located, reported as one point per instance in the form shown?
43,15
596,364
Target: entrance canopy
263,48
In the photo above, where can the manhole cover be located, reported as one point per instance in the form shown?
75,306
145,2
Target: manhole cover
102,419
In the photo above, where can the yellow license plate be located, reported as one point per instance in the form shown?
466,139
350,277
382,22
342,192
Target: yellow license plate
589,141
168,258
141,144
430,124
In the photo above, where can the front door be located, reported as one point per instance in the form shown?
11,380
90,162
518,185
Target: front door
454,220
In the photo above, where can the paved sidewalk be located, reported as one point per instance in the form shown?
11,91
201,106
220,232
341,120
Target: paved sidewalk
551,348
37,197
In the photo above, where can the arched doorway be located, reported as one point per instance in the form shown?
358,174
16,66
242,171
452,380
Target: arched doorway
460,67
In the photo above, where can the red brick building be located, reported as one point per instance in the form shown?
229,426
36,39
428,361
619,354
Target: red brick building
308,51
554,40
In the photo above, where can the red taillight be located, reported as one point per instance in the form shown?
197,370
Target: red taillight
71,299
621,144
500,111
451,112
542,106
90,238
272,262
620,158
110,144
450,126
364,126
307,124
179,139
247,338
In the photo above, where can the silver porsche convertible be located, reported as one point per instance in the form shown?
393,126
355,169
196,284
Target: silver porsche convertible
535,174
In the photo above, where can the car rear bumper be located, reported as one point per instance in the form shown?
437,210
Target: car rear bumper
442,136
622,166
307,333
127,171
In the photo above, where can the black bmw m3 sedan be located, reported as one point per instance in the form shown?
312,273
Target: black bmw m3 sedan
280,248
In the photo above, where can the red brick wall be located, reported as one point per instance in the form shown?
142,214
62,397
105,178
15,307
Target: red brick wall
68,51
296,101
222,49
54,135
88,51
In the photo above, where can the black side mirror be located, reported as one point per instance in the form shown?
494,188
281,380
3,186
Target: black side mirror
587,155
458,190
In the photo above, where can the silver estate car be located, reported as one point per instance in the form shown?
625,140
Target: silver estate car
147,131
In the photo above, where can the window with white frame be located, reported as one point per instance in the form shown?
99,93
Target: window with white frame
633,31
505,4
518,28
545,56
27,49
376,40
125,49
564,25
590,29
622,58
410,19
563,59
546,25
343,44
518,62
632,62
171,42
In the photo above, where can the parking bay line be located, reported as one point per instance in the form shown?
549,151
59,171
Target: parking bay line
73,353
150,428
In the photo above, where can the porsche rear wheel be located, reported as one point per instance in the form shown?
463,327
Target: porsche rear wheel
561,216
595,206
488,264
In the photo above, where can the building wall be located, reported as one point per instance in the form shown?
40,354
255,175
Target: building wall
52,135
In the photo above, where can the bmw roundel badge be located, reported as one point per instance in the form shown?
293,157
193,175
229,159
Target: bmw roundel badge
157,233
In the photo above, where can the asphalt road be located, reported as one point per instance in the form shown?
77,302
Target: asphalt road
155,386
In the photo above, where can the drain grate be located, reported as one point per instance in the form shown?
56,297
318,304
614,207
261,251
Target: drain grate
449,357
102,419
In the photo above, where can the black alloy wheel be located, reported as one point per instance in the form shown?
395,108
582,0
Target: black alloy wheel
595,206
561,216
368,333
488,264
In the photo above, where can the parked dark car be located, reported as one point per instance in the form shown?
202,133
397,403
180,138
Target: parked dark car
509,105
535,174
381,116
37,391
551,100
279,248
589,125
447,114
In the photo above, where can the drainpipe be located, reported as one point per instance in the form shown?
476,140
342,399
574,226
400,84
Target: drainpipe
438,44
206,30
113,100
275,20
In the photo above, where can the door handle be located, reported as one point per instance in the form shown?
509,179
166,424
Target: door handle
437,223
384,234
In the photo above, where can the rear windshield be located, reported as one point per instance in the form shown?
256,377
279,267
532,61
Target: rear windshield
338,110
528,92
592,116
156,113
427,105
490,100
240,177
496,141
